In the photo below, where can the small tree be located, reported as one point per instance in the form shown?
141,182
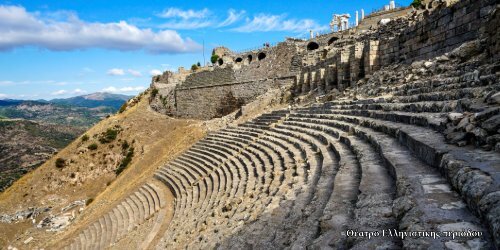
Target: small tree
194,67
60,163
198,64
85,138
154,92
214,58
92,146
416,4
123,108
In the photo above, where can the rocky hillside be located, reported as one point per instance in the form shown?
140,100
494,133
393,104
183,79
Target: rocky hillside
32,131
81,181
99,99
25,145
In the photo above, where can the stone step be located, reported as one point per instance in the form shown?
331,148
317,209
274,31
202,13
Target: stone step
101,233
471,93
148,201
456,163
109,229
124,219
436,121
157,195
238,162
325,183
273,160
185,192
373,205
413,107
119,222
431,201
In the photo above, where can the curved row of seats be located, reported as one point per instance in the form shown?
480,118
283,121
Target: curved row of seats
305,177
123,218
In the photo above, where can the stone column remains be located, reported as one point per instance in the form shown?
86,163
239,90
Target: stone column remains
357,18
362,14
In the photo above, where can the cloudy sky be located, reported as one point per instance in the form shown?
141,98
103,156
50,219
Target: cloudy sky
53,49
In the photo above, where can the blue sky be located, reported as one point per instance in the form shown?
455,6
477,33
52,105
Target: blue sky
56,49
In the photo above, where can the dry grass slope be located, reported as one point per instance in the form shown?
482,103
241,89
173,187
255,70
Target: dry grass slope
91,173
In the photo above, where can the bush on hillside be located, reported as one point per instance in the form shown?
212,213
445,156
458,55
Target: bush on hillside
214,58
92,146
154,92
60,163
416,4
85,138
123,108
126,161
109,136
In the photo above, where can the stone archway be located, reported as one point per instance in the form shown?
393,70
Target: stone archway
249,59
312,46
332,40
261,56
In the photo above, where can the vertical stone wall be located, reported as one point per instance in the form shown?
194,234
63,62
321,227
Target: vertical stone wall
207,102
403,40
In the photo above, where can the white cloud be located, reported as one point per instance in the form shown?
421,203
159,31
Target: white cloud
116,72
66,92
20,28
3,96
113,89
60,92
135,73
5,83
193,19
265,23
78,91
127,79
232,17
184,14
155,72
186,24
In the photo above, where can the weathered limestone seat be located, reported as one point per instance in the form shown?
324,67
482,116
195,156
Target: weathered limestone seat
114,225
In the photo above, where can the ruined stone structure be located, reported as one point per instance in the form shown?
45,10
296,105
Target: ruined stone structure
403,138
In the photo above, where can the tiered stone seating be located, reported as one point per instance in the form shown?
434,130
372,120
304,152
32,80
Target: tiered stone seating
114,225
304,178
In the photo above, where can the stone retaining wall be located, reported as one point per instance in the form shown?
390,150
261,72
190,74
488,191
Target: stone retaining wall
216,101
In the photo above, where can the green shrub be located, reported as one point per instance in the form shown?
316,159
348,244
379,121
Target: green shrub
214,58
125,162
125,145
154,92
108,136
88,201
92,146
194,67
198,64
85,138
123,108
416,4
60,163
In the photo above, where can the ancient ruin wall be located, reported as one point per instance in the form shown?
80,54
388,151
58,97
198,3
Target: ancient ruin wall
224,89
216,101
437,33
354,54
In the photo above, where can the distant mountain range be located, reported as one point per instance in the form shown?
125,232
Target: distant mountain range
79,111
94,100
99,99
